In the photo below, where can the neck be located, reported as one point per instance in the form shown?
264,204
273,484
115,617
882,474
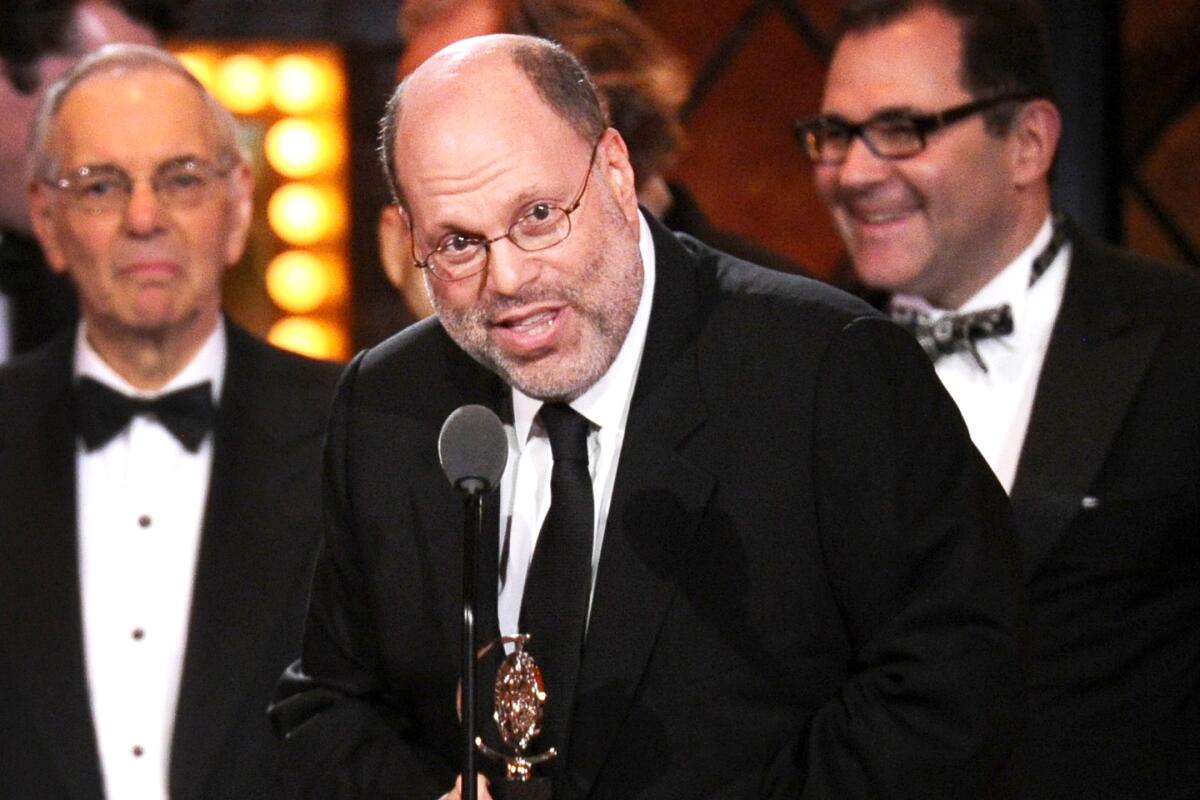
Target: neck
149,360
1011,239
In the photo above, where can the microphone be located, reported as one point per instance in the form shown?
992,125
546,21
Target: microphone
473,449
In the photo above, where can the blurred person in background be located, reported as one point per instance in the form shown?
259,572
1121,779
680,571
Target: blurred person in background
159,467
1076,366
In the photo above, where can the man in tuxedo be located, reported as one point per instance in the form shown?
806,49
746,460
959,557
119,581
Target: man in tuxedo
158,466
754,549
39,40
1075,365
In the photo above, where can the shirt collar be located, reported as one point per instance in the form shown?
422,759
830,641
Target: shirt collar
208,364
606,401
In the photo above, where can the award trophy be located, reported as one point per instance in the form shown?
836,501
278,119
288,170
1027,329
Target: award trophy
518,700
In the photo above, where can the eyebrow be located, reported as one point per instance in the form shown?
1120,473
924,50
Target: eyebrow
887,111
525,198
110,166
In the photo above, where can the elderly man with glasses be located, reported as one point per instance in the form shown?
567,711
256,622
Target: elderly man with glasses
159,467
1075,365
751,543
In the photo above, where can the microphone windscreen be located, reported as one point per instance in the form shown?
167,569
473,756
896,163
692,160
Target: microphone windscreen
473,448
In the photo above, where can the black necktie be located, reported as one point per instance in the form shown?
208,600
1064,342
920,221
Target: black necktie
101,413
953,333
558,586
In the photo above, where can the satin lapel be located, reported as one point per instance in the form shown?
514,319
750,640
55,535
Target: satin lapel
238,598
42,631
1098,353
658,500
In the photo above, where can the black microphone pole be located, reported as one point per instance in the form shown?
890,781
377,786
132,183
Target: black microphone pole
472,526
473,449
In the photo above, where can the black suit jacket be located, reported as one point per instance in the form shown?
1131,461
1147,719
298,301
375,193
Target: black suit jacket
41,303
1107,505
808,584
261,527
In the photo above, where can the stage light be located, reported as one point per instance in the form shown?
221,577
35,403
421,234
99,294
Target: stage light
301,84
301,148
308,336
303,214
300,281
242,83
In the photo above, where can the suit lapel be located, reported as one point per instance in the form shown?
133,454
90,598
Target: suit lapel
237,596
1098,353
658,500
439,516
39,578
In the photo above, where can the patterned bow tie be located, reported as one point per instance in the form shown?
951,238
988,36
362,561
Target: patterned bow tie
955,333
101,413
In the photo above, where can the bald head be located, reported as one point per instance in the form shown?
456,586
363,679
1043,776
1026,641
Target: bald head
448,89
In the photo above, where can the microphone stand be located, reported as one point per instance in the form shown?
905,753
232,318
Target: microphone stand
473,490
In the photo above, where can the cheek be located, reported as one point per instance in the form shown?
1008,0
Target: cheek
454,295
825,178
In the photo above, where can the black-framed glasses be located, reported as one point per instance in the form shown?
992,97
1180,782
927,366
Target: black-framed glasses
890,134
178,183
543,225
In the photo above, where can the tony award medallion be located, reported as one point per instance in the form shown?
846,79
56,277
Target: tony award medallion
518,701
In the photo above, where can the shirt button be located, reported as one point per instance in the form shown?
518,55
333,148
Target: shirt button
144,521
137,751
138,634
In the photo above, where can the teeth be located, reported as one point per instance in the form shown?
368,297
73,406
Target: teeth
533,323
876,219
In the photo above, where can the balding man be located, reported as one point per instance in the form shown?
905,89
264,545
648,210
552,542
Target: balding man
158,466
755,550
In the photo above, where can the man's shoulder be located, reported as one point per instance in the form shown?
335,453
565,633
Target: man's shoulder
27,373
1122,276
752,294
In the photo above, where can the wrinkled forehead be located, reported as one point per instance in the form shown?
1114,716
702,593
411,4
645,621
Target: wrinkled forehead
134,117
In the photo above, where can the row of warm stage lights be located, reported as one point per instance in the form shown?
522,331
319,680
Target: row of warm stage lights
306,146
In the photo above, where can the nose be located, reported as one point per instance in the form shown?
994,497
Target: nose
510,268
143,213
861,167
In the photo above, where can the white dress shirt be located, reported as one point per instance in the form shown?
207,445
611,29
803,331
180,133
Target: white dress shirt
525,486
996,404
141,500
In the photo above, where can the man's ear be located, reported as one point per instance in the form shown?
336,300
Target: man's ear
45,225
241,212
395,254
394,248
1035,136
613,156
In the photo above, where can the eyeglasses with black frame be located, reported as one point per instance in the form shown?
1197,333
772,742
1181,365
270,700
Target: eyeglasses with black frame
105,189
543,225
890,134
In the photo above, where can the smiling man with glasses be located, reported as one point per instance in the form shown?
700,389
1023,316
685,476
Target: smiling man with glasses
737,585
1076,367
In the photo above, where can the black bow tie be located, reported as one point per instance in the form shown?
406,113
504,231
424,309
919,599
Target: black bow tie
101,413
955,333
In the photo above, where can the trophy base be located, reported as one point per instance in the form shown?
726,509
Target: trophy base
535,789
